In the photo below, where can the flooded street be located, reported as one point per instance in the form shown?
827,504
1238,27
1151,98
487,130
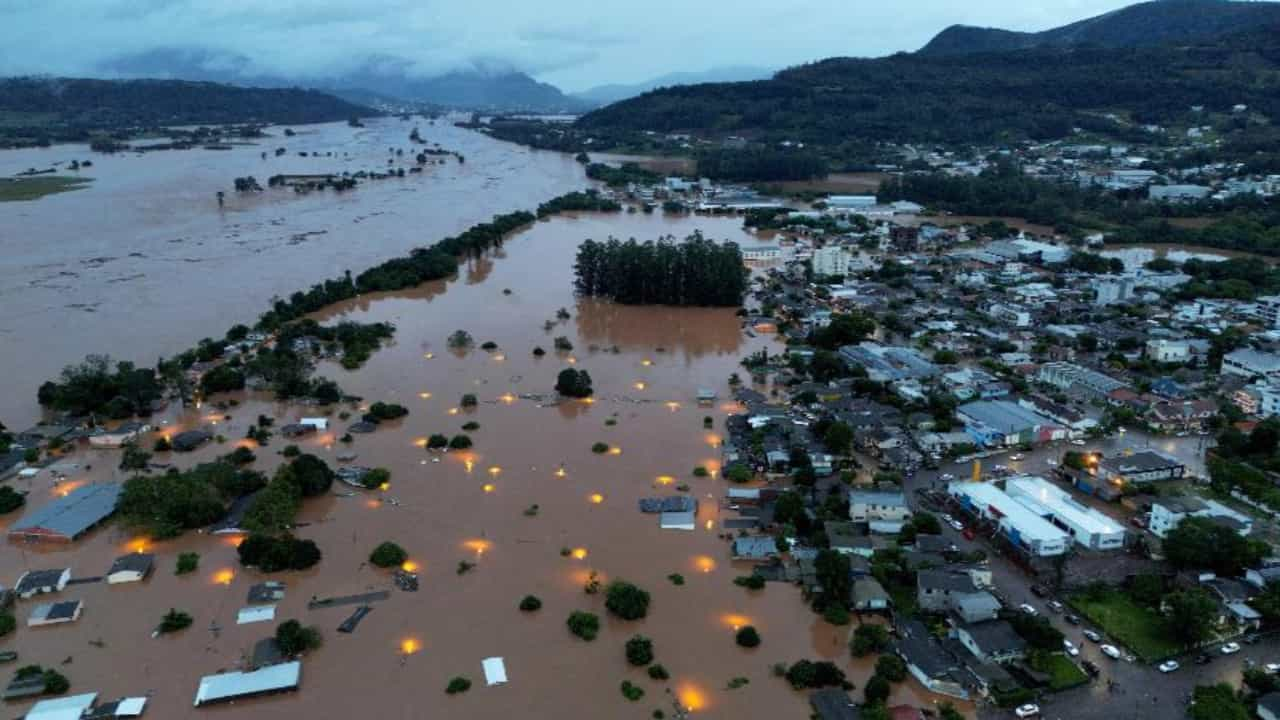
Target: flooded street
142,262
647,364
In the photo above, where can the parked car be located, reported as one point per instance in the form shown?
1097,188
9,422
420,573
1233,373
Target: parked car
1230,648
1092,635
1111,651
1078,443
1055,606
948,477
1027,609
957,525
1039,591
1028,710
947,519
1272,668
1071,650
1168,666
1072,619
1016,457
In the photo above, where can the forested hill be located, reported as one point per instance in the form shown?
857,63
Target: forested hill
74,103
1039,93
1149,23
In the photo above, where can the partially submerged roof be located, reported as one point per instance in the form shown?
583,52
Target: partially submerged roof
124,707
232,685
63,708
71,516
495,671
678,520
833,704
136,562
257,613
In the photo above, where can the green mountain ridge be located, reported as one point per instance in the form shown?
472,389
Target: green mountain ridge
1037,93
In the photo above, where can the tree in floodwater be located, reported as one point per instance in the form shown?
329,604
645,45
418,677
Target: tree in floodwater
696,271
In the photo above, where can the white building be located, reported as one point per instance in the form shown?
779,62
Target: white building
1250,363
1009,314
1269,308
850,202
762,252
1168,351
830,260
1112,289
1088,527
1167,513
1022,527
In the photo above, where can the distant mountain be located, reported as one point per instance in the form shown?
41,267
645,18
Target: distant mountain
605,94
1149,23
385,77
1037,93
87,104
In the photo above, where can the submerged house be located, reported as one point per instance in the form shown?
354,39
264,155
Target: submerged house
229,686
69,517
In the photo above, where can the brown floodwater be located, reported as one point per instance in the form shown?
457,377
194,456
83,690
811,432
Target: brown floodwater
647,364
142,262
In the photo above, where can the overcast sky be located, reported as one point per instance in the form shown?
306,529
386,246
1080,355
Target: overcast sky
574,44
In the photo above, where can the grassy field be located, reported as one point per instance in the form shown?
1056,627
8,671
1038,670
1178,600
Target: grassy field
1063,673
1143,631
34,188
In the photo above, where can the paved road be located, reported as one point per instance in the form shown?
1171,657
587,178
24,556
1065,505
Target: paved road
1139,691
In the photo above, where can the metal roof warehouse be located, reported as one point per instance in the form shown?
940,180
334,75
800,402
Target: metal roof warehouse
234,685
1087,526
1020,525
69,517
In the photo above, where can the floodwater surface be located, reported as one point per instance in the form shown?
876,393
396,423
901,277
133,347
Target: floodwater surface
531,506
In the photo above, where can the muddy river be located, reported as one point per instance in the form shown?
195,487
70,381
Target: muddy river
477,506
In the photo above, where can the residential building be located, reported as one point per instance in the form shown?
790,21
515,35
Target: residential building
1009,314
1088,527
1112,289
889,364
937,589
976,607
40,582
1178,193
1168,512
1026,530
1168,351
134,567
995,642
869,595
928,662
1250,363
886,509
831,260
69,517
1000,423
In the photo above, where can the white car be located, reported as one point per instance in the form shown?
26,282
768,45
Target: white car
957,525
1092,635
1055,606
1230,648
1027,609
948,477
947,519
1016,457
1272,668
1168,666
1110,651
1072,650
1077,443
1028,710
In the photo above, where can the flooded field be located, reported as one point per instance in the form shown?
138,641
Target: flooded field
142,262
477,506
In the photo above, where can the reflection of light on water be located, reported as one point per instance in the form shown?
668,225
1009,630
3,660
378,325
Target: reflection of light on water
665,480
560,472
65,487
224,576
673,406
420,442
571,360
735,621
428,355
488,487
138,545
711,524
469,464
692,698
410,645
704,563
508,398
453,411
588,401
478,546
579,553
424,395
384,486
410,566
499,357
639,385
495,470
596,498
372,503
713,440
646,362
615,451
234,540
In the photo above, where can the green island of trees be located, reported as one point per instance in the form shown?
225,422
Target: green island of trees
696,271
388,554
574,383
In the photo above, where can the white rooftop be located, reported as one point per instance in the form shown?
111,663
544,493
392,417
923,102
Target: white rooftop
256,613
63,708
1031,490
231,685
495,671
990,498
